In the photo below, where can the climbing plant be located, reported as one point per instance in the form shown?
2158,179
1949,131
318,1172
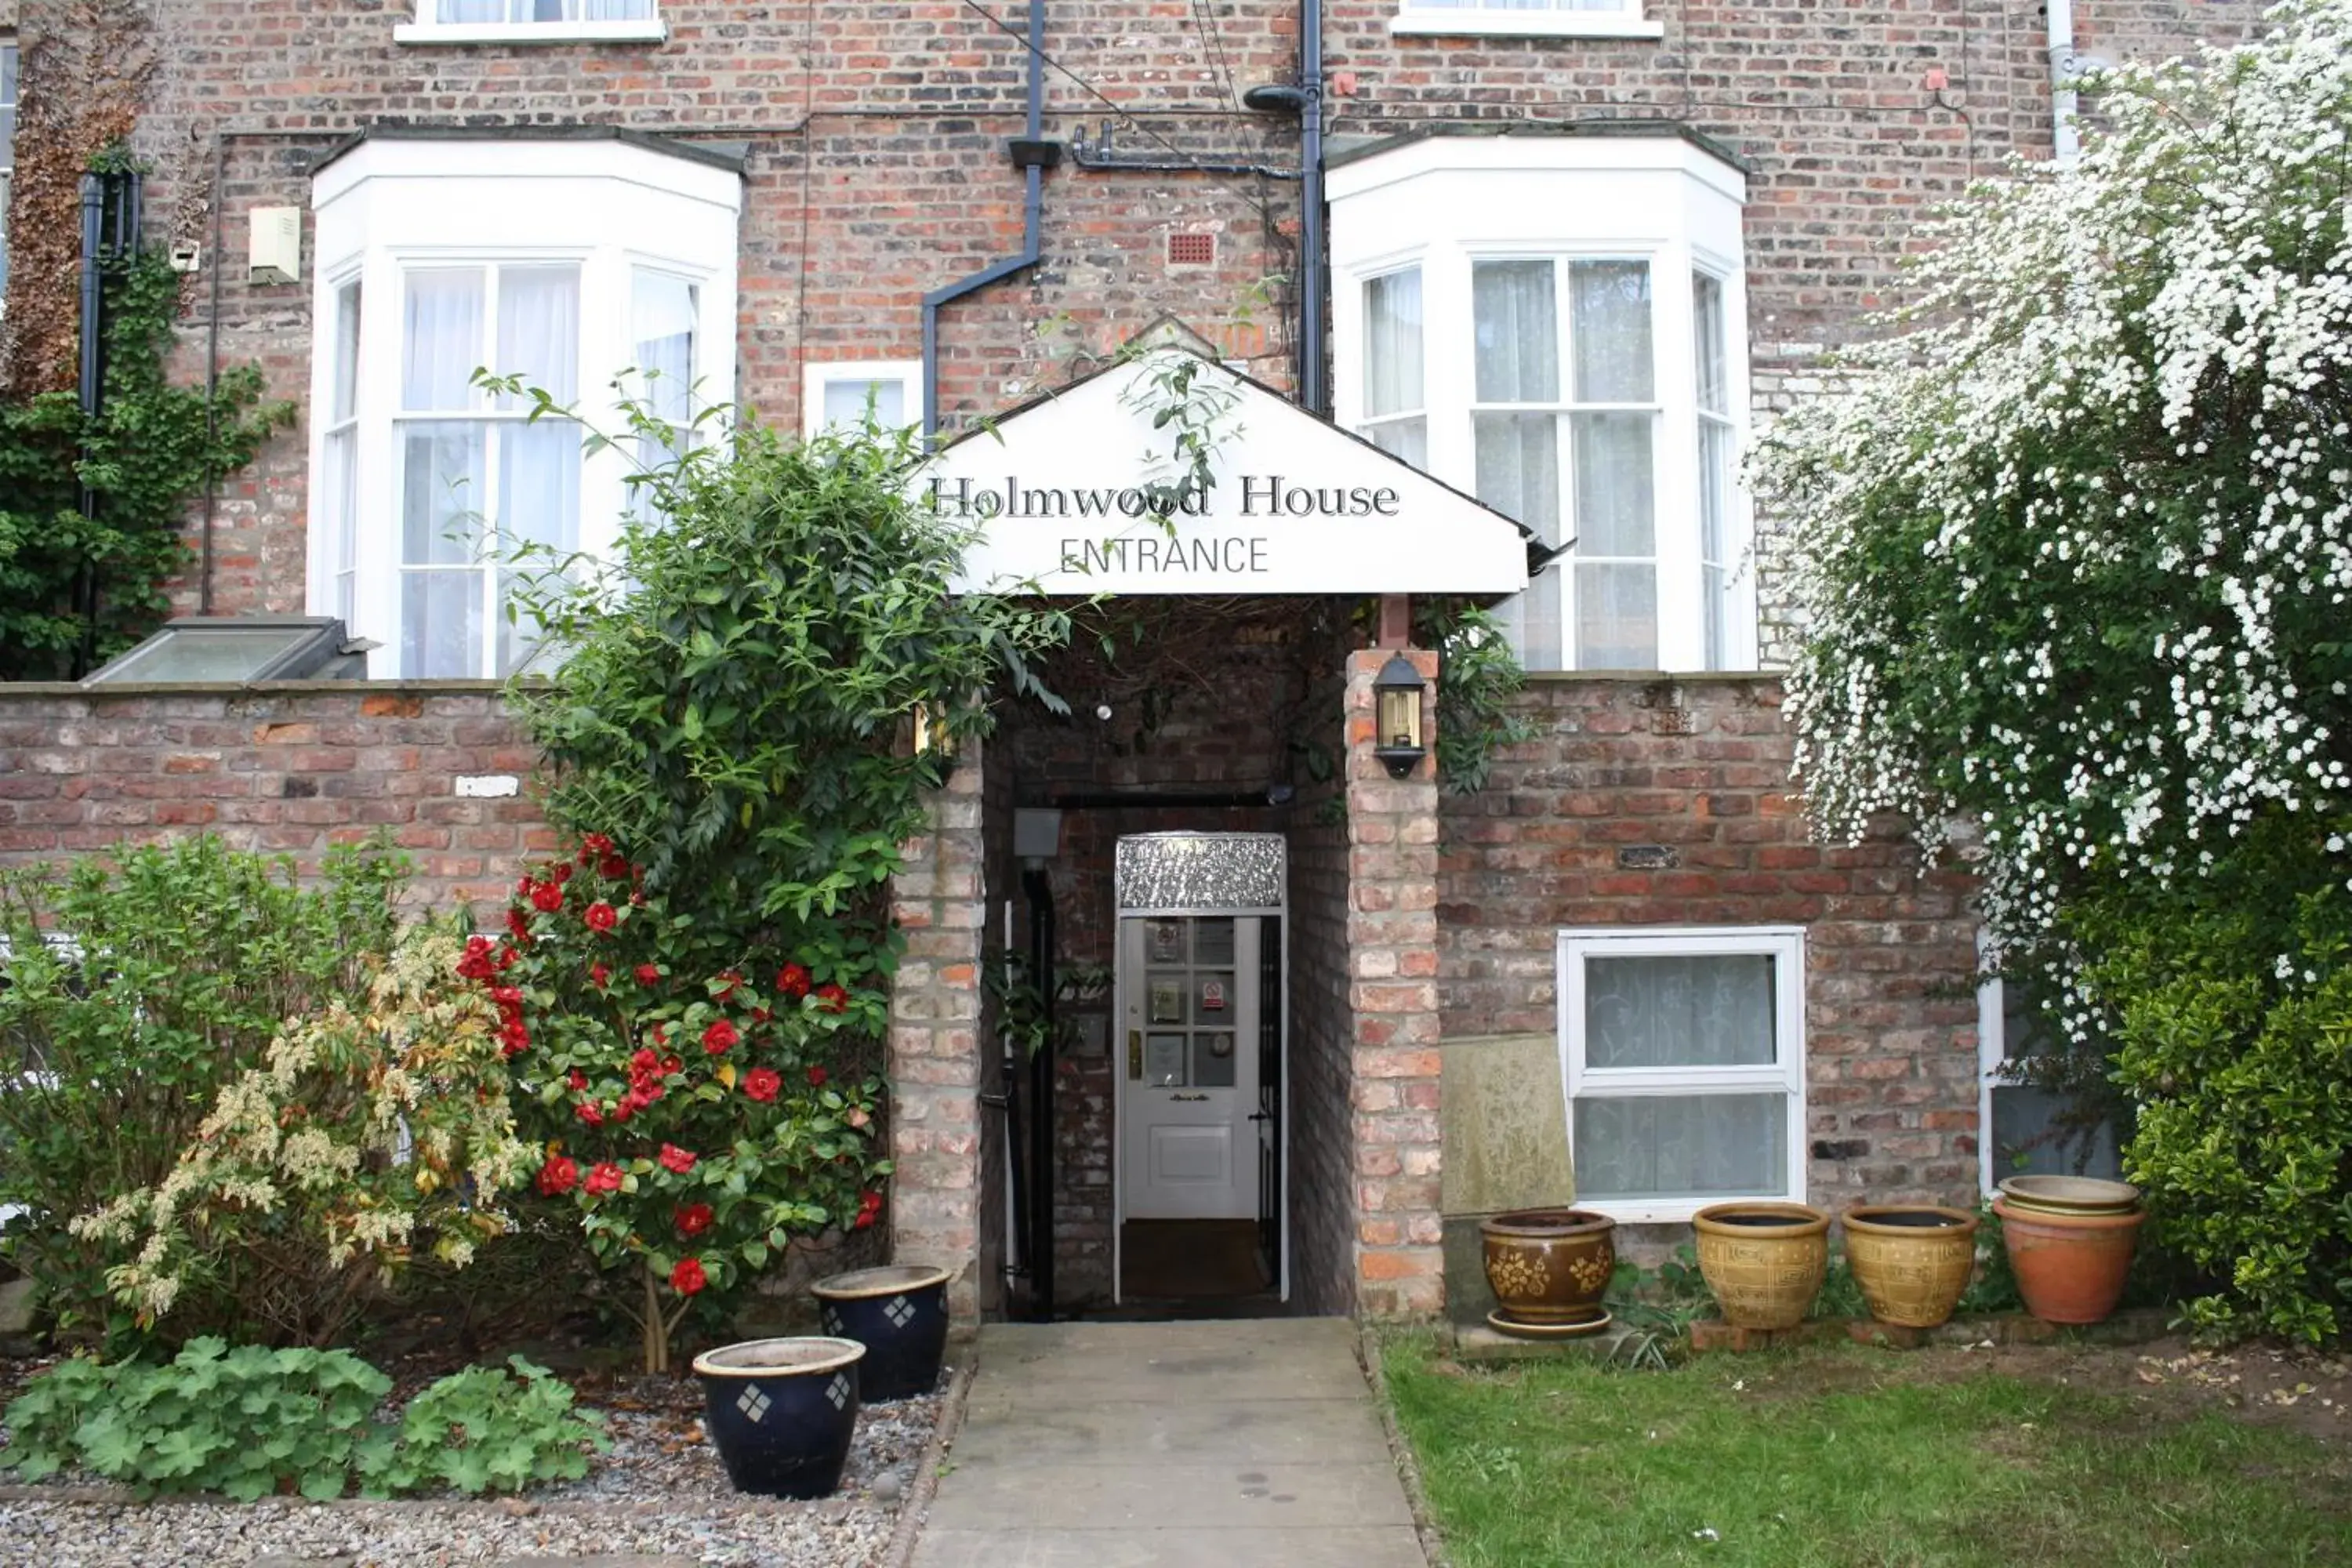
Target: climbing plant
77,589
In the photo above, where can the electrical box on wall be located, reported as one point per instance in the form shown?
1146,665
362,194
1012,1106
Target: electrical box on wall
275,255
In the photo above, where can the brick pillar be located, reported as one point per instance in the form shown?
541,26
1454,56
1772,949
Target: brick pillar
1392,987
935,1060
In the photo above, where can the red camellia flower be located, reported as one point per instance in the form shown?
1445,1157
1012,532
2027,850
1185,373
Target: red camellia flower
603,916
476,965
623,1107
576,1078
513,1038
719,1037
688,1276
595,844
793,981
519,923
674,1158
547,897
729,983
561,874
647,974
616,867
507,955
869,1208
588,1112
598,974
524,888
643,1060
673,1064
558,1176
605,1178
694,1219
833,998
762,1084
817,1076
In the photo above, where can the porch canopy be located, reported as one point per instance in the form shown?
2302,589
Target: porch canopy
1089,489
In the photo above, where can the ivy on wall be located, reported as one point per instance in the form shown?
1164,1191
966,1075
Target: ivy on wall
74,590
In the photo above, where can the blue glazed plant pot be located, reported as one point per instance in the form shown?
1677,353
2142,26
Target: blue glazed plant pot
781,1412
900,1315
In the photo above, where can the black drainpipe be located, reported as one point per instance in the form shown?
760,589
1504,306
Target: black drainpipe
1040,1254
93,229
1032,157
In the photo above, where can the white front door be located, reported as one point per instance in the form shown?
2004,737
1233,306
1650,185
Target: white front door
1188,1010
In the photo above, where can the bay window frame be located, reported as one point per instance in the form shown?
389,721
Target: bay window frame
1785,1075
1627,19
1463,200
428,27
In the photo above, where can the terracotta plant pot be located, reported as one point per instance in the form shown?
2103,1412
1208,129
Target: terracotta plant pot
1912,1261
1764,1261
2070,1268
781,1412
1550,1266
900,1315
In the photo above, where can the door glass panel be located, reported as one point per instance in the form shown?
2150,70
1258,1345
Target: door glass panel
1212,997
1212,1059
1212,941
1164,997
1163,1061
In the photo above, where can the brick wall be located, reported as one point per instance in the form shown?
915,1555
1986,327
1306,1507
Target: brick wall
1320,1202
293,767
1691,778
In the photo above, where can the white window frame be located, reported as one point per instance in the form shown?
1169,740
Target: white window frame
428,29
9,46
1623,20
392,203
908,373
1458,200
1786,1075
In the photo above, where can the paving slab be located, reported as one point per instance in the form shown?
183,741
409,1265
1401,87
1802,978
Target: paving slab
1233,1444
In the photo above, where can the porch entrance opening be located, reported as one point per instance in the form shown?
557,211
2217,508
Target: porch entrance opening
1198,1004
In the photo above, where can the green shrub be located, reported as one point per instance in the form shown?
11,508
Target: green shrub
2230,1007
182,965
253,1422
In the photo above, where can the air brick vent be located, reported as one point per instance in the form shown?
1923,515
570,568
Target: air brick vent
1192,251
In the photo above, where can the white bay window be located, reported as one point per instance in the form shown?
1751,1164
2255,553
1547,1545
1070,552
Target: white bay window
444,255
1527,19
1684,1055
1562,338
532,21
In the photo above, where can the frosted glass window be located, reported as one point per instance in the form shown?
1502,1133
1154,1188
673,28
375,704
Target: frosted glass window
7,146
846,403
543,12
1719,450
1685,1061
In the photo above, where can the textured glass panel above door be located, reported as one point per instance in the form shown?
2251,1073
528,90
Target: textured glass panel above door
1202,871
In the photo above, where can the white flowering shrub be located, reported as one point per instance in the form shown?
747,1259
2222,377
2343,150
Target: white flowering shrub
2073,554
368,1133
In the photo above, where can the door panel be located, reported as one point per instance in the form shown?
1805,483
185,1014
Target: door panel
1190,1017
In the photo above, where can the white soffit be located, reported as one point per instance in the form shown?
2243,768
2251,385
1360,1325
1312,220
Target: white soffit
1060,492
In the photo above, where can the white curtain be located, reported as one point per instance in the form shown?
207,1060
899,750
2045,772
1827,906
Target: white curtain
1392,343
1610,325
845,403
662,323
509,11
1706,1010
441,338
1681,1146
538,330
1515,317
1717,453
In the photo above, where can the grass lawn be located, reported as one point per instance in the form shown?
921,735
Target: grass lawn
1852,1457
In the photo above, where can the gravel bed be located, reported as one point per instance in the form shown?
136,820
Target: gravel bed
660,1492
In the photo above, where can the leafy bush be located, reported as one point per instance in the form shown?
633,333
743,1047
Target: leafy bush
363,1134
182,964
2232,1025
699,1105
252,1421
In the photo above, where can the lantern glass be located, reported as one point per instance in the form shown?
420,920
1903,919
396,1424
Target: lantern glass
1399,716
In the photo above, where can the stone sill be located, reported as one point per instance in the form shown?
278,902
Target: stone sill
1654,676
648,32
1505,24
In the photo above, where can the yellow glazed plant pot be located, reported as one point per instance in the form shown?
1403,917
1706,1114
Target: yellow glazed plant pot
1912,1260
1764,1261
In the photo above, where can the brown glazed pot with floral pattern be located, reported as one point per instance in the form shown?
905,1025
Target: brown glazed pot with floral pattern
1550,1266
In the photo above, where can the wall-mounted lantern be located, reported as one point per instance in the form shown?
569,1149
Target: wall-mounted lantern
1396,707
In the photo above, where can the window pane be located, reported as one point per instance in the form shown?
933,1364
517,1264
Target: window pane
539,485
441,491
7,104
1681,1146
662,317
441,624
1715,447
339,485
1518,467
1406,438
1706,339
347,354
441,338
845,403
1610,330
1697,1010
1392,343
1615,484
538,330
1517,326
1212,1060
1616,617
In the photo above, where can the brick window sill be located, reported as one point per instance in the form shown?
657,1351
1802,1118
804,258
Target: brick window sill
1524,25
647,32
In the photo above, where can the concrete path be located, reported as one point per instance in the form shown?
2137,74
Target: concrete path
1225,1445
